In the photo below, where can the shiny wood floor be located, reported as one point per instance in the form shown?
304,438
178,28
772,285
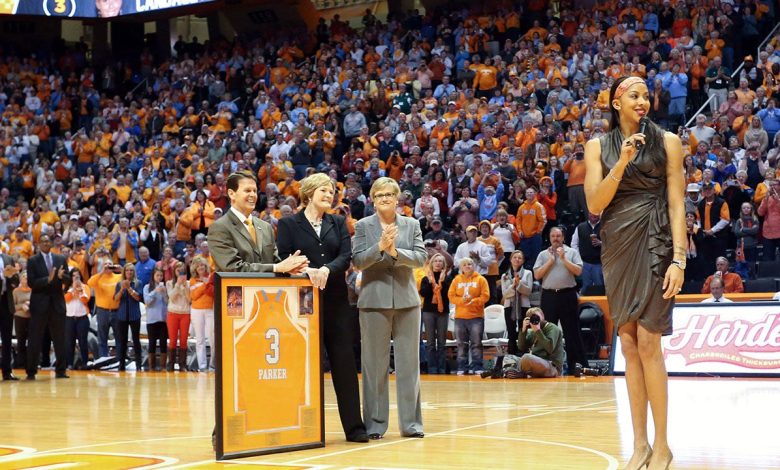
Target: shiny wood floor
112,421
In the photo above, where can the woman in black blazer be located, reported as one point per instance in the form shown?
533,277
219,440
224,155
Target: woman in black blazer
434,287
323,238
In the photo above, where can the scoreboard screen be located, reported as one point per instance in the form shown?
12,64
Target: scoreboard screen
90,8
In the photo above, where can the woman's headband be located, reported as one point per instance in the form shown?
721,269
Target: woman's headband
625,85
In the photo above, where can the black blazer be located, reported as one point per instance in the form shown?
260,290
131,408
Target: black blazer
332,248
46,297
7,299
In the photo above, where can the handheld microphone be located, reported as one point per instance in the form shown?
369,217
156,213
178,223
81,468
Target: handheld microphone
642,128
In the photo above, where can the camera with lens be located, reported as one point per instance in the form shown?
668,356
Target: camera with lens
534,319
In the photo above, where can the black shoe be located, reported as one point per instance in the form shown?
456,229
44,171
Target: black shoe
10,377
375,436
418,434
30,376
362,437
61,375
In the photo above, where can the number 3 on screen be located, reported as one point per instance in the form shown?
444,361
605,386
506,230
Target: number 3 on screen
273,335
59,6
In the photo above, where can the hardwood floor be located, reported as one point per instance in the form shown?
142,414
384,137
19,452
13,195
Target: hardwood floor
112,421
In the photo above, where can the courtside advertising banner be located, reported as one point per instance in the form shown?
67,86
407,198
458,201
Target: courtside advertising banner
269,383
720,339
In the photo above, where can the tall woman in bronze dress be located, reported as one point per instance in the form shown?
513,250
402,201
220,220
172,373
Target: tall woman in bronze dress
639,193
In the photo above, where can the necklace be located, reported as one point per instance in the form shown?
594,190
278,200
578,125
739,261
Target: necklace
314,224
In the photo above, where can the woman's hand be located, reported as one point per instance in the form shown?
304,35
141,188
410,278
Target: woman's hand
628,149
673,281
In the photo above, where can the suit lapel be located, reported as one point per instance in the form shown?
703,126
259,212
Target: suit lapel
258,236
303,224
239,227
327,225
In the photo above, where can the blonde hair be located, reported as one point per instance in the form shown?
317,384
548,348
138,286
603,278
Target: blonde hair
196,261
383,183
429,264
312,183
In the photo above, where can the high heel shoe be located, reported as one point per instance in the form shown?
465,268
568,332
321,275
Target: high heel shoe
666,464
644,460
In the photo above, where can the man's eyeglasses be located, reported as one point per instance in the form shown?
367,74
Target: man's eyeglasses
384,196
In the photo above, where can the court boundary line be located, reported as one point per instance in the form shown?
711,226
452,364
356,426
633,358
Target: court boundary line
166,461
156,439
611,461
451,431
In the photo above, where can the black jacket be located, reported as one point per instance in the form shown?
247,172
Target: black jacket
332,248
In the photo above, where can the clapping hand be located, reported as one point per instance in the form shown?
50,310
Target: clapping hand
10,270
560,252
387,240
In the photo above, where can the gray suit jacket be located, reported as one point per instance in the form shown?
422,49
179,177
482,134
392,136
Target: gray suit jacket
233,250
388,283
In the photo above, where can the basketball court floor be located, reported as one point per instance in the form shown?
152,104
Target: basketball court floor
110,421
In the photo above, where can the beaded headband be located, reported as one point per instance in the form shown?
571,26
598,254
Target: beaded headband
625,85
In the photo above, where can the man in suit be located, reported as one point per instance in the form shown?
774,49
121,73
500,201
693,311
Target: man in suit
9,280
47,275
240,242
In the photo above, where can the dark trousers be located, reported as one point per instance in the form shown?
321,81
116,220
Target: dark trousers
6,336
39,322
158,332
563,305
22,327
121,342
491,280
436,341
512,329
77,328
770,245
339,329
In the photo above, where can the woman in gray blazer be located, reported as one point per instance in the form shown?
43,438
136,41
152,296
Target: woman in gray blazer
387,247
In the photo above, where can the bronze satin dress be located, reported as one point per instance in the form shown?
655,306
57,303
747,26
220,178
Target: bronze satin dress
636,238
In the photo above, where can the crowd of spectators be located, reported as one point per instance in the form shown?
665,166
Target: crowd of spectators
480,113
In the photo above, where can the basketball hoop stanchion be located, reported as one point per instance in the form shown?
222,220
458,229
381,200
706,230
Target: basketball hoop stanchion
269,391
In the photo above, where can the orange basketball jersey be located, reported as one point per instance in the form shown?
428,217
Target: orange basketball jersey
271,347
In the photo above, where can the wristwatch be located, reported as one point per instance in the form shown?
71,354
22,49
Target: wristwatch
679,264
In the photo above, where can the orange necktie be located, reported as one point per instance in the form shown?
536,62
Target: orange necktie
248,223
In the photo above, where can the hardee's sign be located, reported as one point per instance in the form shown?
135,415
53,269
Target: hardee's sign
715,335
720,339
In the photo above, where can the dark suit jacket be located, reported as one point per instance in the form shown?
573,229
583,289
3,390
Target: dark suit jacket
233,250
331,248
7,299
46,296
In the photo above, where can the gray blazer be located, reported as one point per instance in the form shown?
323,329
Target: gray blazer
233,250
388,283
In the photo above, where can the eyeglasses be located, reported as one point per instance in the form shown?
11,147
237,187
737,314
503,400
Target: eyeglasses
384,196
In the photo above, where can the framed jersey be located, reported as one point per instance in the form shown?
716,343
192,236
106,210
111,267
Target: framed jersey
269,395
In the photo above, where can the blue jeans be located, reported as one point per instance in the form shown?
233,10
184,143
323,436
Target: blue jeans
677,107
435,345
531,247
105,319
468,333
77,328
592,275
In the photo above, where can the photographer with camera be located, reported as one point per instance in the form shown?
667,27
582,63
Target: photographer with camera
544,342
575,168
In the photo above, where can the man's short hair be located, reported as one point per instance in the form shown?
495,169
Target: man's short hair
235,178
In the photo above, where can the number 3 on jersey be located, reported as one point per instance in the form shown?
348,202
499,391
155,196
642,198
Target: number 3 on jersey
272,334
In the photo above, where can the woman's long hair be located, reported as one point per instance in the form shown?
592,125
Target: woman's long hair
653,134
